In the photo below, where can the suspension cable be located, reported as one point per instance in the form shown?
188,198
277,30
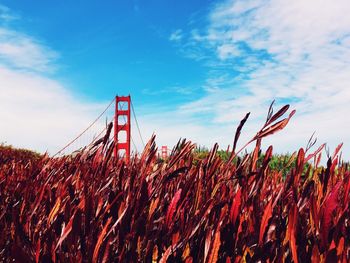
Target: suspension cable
97,136
77,137
137,124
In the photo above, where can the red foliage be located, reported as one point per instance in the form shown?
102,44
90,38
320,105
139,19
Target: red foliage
92,207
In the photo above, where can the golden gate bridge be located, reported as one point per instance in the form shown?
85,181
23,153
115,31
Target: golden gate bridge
121,115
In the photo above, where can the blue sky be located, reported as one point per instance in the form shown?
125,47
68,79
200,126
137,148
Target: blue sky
193,68
118,47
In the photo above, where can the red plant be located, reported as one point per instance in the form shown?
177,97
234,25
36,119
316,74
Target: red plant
94,207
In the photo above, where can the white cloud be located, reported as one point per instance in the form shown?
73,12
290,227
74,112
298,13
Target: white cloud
20,51
176,35
293,51
225,51
6,15
37,112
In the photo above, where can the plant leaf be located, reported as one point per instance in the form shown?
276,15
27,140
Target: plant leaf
235,207
54,211
264,221
213,257
100,240
172,207
329,205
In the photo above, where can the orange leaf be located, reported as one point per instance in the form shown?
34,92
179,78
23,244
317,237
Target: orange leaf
265,219
213,257
99,206
235,206
299,165
139,246
100,240
155,254
165,255
152,207
186,252
54,211
66,231
340,247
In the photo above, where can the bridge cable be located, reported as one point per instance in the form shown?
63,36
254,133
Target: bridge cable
79,135
137,124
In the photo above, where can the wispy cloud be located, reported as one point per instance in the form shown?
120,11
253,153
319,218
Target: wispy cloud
39,113
297,52
176,35
36,111
21,51
6,15
171,90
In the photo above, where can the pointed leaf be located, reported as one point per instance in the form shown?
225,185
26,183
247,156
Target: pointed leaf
235,207
264,221
172,208
213,257
100,240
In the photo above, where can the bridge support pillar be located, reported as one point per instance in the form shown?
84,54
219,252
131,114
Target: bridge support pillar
122,124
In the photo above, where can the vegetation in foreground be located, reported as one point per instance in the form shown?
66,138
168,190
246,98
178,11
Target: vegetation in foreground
91,207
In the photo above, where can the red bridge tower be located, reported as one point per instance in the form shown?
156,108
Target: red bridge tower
124,113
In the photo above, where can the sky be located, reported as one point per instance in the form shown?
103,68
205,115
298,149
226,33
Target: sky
192,68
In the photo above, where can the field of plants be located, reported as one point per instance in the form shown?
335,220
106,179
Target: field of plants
92,207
